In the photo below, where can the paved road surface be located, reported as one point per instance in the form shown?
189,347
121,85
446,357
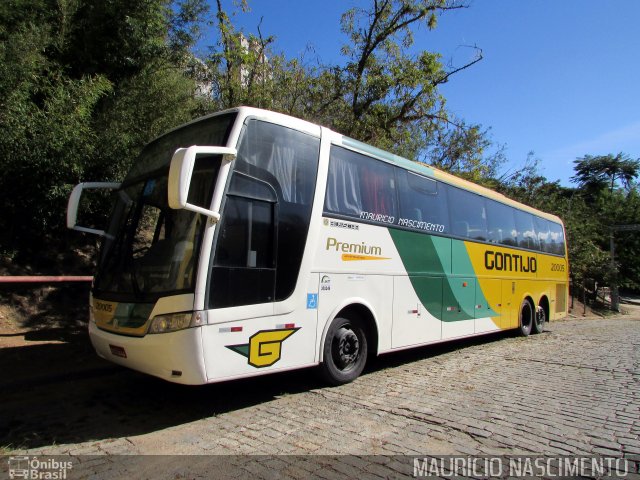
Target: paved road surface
573,390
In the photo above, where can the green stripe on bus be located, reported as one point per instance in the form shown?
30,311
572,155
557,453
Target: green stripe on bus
427,260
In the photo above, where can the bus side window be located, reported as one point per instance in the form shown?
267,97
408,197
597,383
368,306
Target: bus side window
527,237
343,186
358,185
378,189
501,224
468,214
460,228
284,157
556,238
422,199
245,252
542,229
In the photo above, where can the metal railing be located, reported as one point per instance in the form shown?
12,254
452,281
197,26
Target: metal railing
44,278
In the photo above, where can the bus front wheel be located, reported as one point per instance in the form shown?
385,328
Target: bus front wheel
526,318
345,351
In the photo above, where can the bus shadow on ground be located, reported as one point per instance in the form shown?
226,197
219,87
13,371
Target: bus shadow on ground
403,357
62,393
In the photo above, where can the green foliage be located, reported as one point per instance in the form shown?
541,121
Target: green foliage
83,85
114,38
589,212
379,93
388,97
145,105
464,151
598,172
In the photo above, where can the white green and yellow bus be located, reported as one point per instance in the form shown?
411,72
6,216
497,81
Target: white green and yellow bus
250,242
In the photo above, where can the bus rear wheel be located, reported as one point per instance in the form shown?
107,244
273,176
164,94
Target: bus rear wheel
540,320
526,318
345,351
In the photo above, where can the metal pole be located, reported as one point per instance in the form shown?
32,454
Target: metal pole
614,271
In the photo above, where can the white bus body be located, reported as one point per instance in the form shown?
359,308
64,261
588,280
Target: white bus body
250,242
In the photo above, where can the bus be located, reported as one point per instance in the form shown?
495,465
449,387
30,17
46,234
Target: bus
249,242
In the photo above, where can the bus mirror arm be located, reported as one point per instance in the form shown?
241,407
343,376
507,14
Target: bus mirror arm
74,202
181,172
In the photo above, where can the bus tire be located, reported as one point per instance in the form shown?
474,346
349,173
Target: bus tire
344,351
525,318
539,320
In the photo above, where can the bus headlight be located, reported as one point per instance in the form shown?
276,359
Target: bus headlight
176,321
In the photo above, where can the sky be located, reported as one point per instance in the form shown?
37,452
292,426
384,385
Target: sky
559,78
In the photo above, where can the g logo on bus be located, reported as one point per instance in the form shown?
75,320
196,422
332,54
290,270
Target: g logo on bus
264,347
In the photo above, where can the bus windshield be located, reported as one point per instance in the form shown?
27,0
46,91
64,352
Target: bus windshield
150,250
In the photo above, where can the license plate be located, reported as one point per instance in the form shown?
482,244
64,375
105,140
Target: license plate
118,351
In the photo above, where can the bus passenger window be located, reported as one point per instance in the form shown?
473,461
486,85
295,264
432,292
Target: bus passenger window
468,214
542,229
501,224
527,237
423,203
378,189
361,187
556,239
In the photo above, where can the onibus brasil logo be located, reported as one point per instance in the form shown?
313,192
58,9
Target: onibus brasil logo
39,469
264,347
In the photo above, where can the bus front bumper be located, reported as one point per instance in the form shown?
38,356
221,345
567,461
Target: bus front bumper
176,357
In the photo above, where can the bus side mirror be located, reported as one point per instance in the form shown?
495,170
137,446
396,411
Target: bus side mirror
74,202
180,173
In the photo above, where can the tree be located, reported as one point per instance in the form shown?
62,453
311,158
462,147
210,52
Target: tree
597,172
383,94
623,208
463,150
244,69
588,213
380,94
83,85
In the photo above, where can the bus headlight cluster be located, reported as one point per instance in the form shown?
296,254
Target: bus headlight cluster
176,321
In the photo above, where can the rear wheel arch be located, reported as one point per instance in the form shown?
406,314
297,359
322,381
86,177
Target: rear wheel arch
541,315
544,303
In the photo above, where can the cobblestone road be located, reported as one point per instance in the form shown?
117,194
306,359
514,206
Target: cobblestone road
573,390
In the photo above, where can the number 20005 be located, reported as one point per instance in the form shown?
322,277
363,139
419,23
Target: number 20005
557,267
